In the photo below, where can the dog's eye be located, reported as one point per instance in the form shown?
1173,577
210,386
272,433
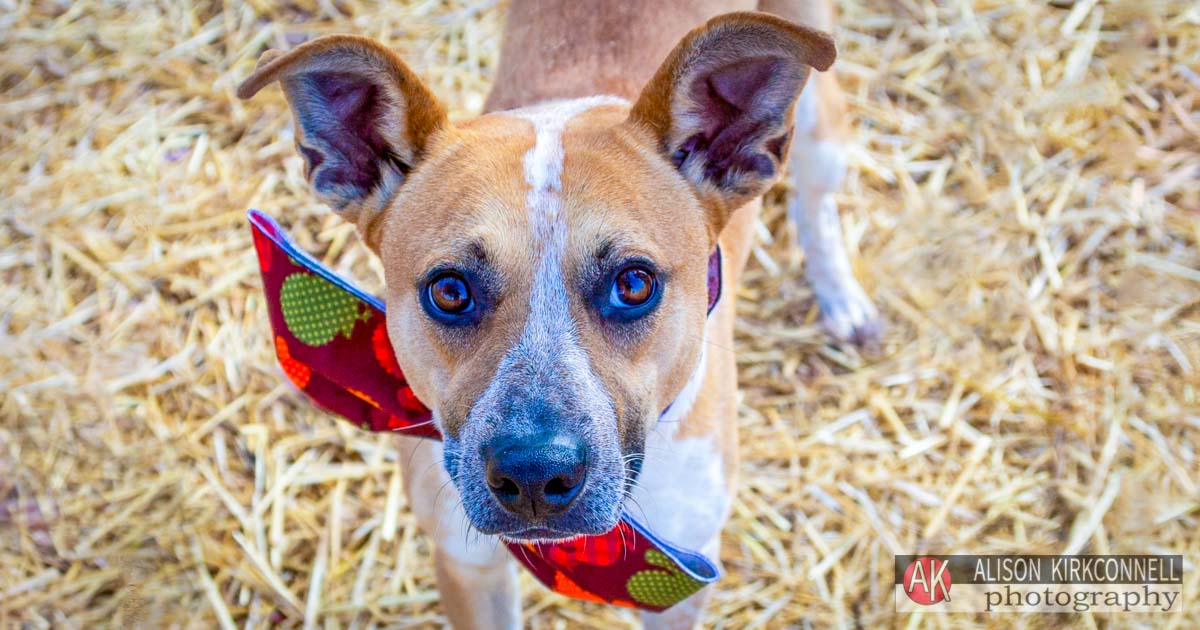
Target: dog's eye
632,287
449,294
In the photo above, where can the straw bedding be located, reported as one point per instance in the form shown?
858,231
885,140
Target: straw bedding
1024,206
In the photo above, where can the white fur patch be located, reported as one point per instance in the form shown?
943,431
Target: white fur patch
817,166
550,324
680,493
806,110
818,169
668,422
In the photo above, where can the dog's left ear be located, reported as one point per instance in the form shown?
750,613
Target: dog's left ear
363,119
721,104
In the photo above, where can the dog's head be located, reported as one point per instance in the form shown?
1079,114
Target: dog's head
546,268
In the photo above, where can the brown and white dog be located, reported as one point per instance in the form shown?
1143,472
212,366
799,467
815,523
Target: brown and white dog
546,262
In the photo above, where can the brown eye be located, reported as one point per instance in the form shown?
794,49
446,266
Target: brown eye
633,286
450,295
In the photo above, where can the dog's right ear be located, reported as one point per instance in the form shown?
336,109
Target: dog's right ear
363,119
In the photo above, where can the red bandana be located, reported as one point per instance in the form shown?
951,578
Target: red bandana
332,343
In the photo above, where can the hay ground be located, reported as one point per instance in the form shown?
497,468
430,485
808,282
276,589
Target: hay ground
1024,206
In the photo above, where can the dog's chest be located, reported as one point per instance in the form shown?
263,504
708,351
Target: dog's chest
682,493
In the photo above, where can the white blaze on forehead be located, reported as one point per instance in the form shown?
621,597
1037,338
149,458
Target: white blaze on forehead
544,162
548,358
550,328
549,121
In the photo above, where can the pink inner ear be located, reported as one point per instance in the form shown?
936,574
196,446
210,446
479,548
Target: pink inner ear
340,115
735,91
739,82
739,104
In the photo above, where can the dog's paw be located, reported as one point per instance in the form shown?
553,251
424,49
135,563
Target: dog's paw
849,316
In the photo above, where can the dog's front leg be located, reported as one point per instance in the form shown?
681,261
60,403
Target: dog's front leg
817,162
479,592
818,166
476,575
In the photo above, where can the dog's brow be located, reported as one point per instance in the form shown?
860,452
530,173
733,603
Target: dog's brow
471,253
468,254
477,250
605,250
618,247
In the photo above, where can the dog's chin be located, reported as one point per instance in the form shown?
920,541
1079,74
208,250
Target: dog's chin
539,536
586,520
554,530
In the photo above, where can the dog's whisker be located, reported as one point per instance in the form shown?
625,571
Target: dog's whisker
523,553
418,425
712,344
438,497
624,544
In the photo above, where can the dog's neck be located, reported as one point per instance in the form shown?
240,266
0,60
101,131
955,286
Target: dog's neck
587,47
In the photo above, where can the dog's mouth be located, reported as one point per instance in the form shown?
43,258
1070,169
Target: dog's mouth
548,535
538,535
522,503
545,533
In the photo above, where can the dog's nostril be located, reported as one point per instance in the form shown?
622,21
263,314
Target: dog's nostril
560,486
561,490
502,485
506,487
535,478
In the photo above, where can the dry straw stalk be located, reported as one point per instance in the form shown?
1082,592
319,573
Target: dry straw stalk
1024,205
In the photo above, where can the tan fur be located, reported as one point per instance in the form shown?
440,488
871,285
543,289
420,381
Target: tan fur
554,49
614,191
717,406
432,217
469,191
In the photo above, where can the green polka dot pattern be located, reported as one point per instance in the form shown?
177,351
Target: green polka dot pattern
316,310
661,588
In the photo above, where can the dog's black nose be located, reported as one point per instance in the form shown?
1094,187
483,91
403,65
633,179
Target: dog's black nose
535,477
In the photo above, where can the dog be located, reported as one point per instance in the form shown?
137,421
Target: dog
546,263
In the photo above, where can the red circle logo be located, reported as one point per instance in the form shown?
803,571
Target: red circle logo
927,581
